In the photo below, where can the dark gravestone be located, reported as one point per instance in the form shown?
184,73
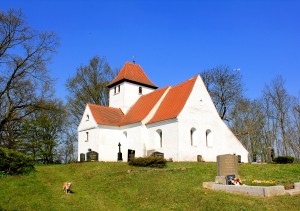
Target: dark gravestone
92,156
254,157
239,159
270,155
82,157
199,158
120,153
131,154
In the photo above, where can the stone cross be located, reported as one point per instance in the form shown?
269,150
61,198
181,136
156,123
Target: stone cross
120,153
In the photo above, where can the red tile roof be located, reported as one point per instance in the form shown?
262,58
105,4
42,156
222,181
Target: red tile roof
106,115
174,101
170,107
143,106
133,73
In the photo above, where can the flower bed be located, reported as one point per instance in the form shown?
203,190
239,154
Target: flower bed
255,182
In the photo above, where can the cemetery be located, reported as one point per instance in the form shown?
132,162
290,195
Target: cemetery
228,180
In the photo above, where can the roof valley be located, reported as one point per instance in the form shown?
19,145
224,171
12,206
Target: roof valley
154,109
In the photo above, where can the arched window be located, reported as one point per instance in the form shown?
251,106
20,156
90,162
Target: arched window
87,117
140,90
209,138
159,137
192,134
125,134
115,89
118,88
87,137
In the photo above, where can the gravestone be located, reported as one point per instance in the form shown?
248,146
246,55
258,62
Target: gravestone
239,159
254,157
82,157
199,158
270,155
120,153
131,154
157,154
92,156
227,165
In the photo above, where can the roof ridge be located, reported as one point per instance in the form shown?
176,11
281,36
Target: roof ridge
179,94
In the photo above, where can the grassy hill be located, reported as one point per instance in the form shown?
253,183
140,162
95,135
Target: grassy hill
108,186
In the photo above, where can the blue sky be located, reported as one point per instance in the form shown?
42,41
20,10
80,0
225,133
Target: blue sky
174,40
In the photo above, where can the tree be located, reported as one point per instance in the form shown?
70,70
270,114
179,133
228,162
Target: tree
89,86
279,110
294,128
225,87
24,82
42,132
248,122
67,149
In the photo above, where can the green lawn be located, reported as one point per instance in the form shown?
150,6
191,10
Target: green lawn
108,186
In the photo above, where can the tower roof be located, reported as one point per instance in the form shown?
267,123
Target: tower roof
132,73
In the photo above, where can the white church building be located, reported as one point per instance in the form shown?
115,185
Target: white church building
179,121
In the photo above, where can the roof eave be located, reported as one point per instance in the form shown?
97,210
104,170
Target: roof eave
131,81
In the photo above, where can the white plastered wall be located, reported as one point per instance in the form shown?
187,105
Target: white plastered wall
169,131
87,125
199,112
128,95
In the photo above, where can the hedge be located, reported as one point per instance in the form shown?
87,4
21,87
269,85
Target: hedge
284,159
14,163
151,161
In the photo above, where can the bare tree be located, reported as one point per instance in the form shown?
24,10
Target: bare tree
89,86
225,87
294,128
279,109
24,82
248,122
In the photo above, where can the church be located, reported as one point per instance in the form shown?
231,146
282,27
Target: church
180,122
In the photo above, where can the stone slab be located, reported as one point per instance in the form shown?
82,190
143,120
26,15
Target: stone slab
260,191
220,180
246,190
292,192
277,190
208,185
297,185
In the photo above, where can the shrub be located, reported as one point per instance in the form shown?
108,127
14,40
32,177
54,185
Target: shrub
151,161
13,162
284,159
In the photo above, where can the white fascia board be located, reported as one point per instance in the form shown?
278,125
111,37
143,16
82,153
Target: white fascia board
87,123
160,123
